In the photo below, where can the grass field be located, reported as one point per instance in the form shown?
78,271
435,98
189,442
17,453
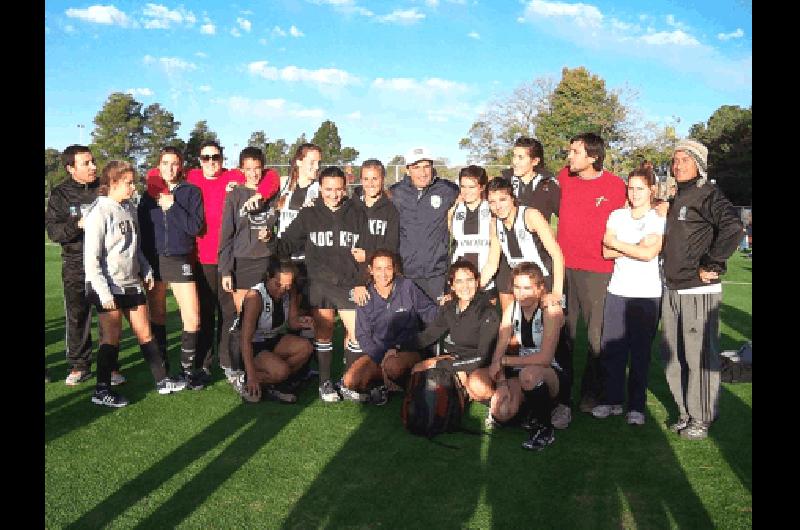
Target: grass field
202,459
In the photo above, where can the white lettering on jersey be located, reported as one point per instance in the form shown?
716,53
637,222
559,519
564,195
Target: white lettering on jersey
377,227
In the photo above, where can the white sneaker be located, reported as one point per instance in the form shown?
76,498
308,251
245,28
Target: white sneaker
561,416
328,393
634,417
604,411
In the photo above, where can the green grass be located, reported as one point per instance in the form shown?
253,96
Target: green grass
205,460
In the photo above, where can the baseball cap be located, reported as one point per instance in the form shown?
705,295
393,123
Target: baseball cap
416,154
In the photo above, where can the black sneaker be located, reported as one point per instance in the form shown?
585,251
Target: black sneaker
169,385
328,393
539,439
680,425
276,394
697,430
379,395
348,394
108,398
195,380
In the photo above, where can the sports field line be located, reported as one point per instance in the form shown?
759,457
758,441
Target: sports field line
737,283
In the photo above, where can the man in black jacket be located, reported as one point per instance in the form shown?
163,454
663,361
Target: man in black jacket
702,231
64,218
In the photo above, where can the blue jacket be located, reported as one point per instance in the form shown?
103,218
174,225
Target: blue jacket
424,235
384,324
171,233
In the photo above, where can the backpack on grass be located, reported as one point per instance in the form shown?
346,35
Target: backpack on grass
434,403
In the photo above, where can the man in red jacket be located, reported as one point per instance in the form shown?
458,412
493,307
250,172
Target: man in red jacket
588,196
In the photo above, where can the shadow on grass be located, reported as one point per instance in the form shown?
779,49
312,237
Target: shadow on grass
733,434
384,476
266,423
737,320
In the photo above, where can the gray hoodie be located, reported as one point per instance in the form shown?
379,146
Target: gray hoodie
112,257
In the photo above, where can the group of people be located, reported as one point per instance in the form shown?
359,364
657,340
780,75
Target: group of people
426,272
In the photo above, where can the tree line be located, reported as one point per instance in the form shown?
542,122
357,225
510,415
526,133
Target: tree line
553,112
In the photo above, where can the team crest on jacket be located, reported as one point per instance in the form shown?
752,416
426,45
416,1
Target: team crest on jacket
682,214
436,201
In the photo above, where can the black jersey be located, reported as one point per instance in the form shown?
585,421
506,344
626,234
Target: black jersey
383,223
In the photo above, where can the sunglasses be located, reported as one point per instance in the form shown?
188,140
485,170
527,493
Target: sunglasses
216,158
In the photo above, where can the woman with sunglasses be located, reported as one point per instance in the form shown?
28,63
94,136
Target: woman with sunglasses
169,226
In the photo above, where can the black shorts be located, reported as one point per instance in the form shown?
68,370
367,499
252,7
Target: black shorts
123,301
249,272
267,345
328,296
175,269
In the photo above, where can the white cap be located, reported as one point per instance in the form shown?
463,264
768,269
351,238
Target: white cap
416,154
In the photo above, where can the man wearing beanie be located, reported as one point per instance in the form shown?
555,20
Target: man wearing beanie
702,232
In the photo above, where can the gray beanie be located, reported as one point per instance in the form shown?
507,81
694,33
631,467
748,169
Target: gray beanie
698,152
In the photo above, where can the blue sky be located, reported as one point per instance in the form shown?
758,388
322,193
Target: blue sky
391,74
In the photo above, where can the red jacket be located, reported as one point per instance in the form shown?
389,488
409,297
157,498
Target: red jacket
213,191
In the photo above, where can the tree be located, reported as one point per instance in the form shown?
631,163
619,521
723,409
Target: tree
276,153
54,171
118,133
199,134
491,137
580,103
328,139
728,134
159,130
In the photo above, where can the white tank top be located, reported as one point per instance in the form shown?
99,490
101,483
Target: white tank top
472,243
525,240
537,333
264,329
287,215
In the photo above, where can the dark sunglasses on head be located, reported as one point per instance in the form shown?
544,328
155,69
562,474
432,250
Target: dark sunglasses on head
216,157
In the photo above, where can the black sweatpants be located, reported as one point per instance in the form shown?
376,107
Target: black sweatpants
216,309
78,316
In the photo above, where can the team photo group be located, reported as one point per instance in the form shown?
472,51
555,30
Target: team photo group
463,286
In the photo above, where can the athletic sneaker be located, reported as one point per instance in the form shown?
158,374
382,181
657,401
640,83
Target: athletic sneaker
348,394
539,439
275,394
238,382
203,377
169,385
117,378
561,417
108,398
489,422
634,417
604,411
379,395
328,393
697,430
77,377
680,425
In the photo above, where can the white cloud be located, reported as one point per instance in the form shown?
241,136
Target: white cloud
69,28
262,41
278,32
428,87
108,15
143,92
246,12
738,34
322,76
296,32
268,108
347,7
235,32
170,65
208,29
402,16
161,17
204,88
677,37
202,55
432,3
584,15
354,115
244,24
474,35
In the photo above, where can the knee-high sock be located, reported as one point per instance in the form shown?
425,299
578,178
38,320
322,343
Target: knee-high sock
188,349
153,356
539,403
160,336
324,357
106,355
352,352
